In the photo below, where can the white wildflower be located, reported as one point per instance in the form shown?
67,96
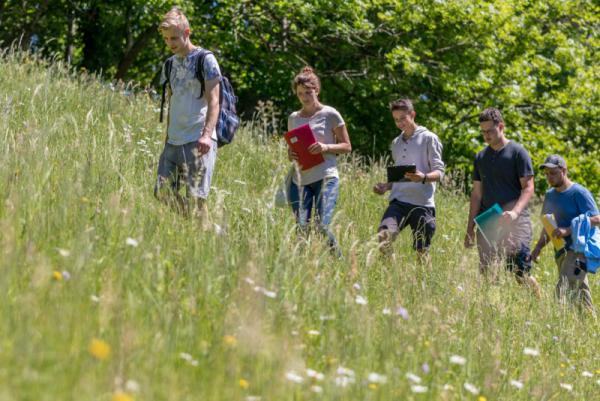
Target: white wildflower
356,286
66,275
566,386
386,311
269,294
265,292
342,371
413,378
531,351
458,360
94,298
361,300
313,374
471,388
517,384
132,386
345,377
344,381
63,252
316,389
415,388
294,377
314,333
132,242
585,373
377,378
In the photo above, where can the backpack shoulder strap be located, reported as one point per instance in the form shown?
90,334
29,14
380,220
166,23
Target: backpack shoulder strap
168,64
200,69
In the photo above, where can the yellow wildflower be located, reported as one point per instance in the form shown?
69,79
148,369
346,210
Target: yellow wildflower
230,341
373,386
120,396
427,343
244,384
99,349
56,275
481,398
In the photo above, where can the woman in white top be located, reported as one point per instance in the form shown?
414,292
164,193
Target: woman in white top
317,188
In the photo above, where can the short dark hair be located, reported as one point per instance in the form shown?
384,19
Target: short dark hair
491,114
402,104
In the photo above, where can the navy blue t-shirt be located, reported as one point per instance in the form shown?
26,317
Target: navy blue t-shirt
500,172
568,204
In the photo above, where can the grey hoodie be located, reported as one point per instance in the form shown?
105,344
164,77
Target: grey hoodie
423,149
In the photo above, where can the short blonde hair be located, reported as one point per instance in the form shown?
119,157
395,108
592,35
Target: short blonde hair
175,18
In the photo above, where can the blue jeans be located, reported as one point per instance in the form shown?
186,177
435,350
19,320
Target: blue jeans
321,196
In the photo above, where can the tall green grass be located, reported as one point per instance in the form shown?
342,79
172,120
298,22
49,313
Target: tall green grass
239,308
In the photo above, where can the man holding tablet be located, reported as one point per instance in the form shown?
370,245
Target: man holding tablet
417,152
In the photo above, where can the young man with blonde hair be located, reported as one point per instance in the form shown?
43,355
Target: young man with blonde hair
191,144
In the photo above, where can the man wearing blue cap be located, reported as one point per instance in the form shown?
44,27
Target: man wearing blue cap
567,200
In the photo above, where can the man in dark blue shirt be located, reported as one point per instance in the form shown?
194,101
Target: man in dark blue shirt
503,174
567,200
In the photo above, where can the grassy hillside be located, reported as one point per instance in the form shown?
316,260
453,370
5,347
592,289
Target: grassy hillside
107,295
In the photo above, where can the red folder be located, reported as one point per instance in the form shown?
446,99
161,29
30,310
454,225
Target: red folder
299,139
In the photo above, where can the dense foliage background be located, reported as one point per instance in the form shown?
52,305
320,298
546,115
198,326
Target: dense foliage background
533,59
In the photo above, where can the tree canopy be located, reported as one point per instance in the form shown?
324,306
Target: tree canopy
536,60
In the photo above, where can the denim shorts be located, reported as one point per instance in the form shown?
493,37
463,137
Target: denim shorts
183,163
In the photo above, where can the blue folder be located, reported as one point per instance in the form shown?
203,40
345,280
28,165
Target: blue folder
488,224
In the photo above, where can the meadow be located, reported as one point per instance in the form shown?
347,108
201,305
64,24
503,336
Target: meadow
108,295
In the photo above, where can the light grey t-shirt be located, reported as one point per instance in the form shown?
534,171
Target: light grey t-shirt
187,110
322,124
424,150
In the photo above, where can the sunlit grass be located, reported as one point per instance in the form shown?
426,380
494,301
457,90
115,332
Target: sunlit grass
108,294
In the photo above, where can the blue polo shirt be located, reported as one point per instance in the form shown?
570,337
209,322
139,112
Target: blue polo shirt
568,204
